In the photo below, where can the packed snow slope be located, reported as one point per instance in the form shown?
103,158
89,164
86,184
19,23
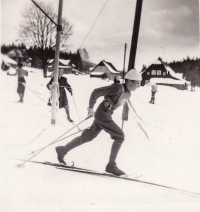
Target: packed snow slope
171,155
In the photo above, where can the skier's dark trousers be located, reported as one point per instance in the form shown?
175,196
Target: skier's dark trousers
115,95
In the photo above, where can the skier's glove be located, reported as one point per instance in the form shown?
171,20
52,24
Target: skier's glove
90,112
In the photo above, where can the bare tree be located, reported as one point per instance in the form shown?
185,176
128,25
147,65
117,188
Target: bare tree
39,31
84,54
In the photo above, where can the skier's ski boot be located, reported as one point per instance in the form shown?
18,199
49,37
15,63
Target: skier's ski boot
61,154
113,169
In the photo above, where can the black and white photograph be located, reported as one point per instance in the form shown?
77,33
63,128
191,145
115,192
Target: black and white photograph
100,106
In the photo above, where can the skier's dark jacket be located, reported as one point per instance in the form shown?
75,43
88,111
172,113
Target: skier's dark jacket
115,95
62,84
63,101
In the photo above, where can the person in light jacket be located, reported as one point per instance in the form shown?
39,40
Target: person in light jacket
154,89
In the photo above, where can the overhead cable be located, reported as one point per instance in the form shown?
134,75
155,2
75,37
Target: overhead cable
93,24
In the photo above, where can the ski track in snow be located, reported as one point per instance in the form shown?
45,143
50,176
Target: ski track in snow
170,157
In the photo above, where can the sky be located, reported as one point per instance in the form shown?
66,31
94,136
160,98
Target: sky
168,29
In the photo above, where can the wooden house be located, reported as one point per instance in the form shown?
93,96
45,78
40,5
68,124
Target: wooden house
161,73
66,65
105,70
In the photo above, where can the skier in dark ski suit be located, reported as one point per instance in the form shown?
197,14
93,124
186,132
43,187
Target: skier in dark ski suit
63,101
115,95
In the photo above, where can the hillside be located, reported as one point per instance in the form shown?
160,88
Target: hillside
170,156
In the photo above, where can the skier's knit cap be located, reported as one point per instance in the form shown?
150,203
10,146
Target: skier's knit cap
133,75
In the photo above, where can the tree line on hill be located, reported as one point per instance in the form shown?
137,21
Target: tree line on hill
190,68
80,58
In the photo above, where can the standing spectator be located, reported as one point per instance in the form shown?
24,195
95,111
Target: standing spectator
154,89
20,72
63,101
193,83
193,78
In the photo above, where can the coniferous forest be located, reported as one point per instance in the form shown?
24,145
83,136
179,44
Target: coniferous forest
190,68
40,57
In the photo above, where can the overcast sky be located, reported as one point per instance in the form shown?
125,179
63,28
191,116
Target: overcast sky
168,29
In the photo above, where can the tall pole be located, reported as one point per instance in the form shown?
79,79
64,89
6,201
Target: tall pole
56,63
134,41
124,63
133,50
125,112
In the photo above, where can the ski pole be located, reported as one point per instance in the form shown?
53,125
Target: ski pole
135,111
76,107
141,128
137,121
60,140
51,143
142,119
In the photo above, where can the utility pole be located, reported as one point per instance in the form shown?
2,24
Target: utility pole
125,107
125,46
135,34
133,50
56,63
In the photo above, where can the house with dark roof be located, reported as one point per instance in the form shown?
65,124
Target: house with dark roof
105,70
161,73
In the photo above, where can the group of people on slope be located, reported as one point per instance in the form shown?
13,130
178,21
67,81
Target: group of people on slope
62,84
115,95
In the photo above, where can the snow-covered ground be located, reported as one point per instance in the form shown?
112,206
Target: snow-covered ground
171,155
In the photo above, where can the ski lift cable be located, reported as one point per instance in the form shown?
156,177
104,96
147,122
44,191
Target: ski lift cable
93,24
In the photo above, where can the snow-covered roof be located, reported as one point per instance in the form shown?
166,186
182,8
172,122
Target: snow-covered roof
108,65
60,66
111,69
7,59
97,73
172,73
157,62
64,62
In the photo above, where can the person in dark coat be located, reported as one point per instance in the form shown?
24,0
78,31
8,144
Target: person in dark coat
115,96
20,72
63,101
